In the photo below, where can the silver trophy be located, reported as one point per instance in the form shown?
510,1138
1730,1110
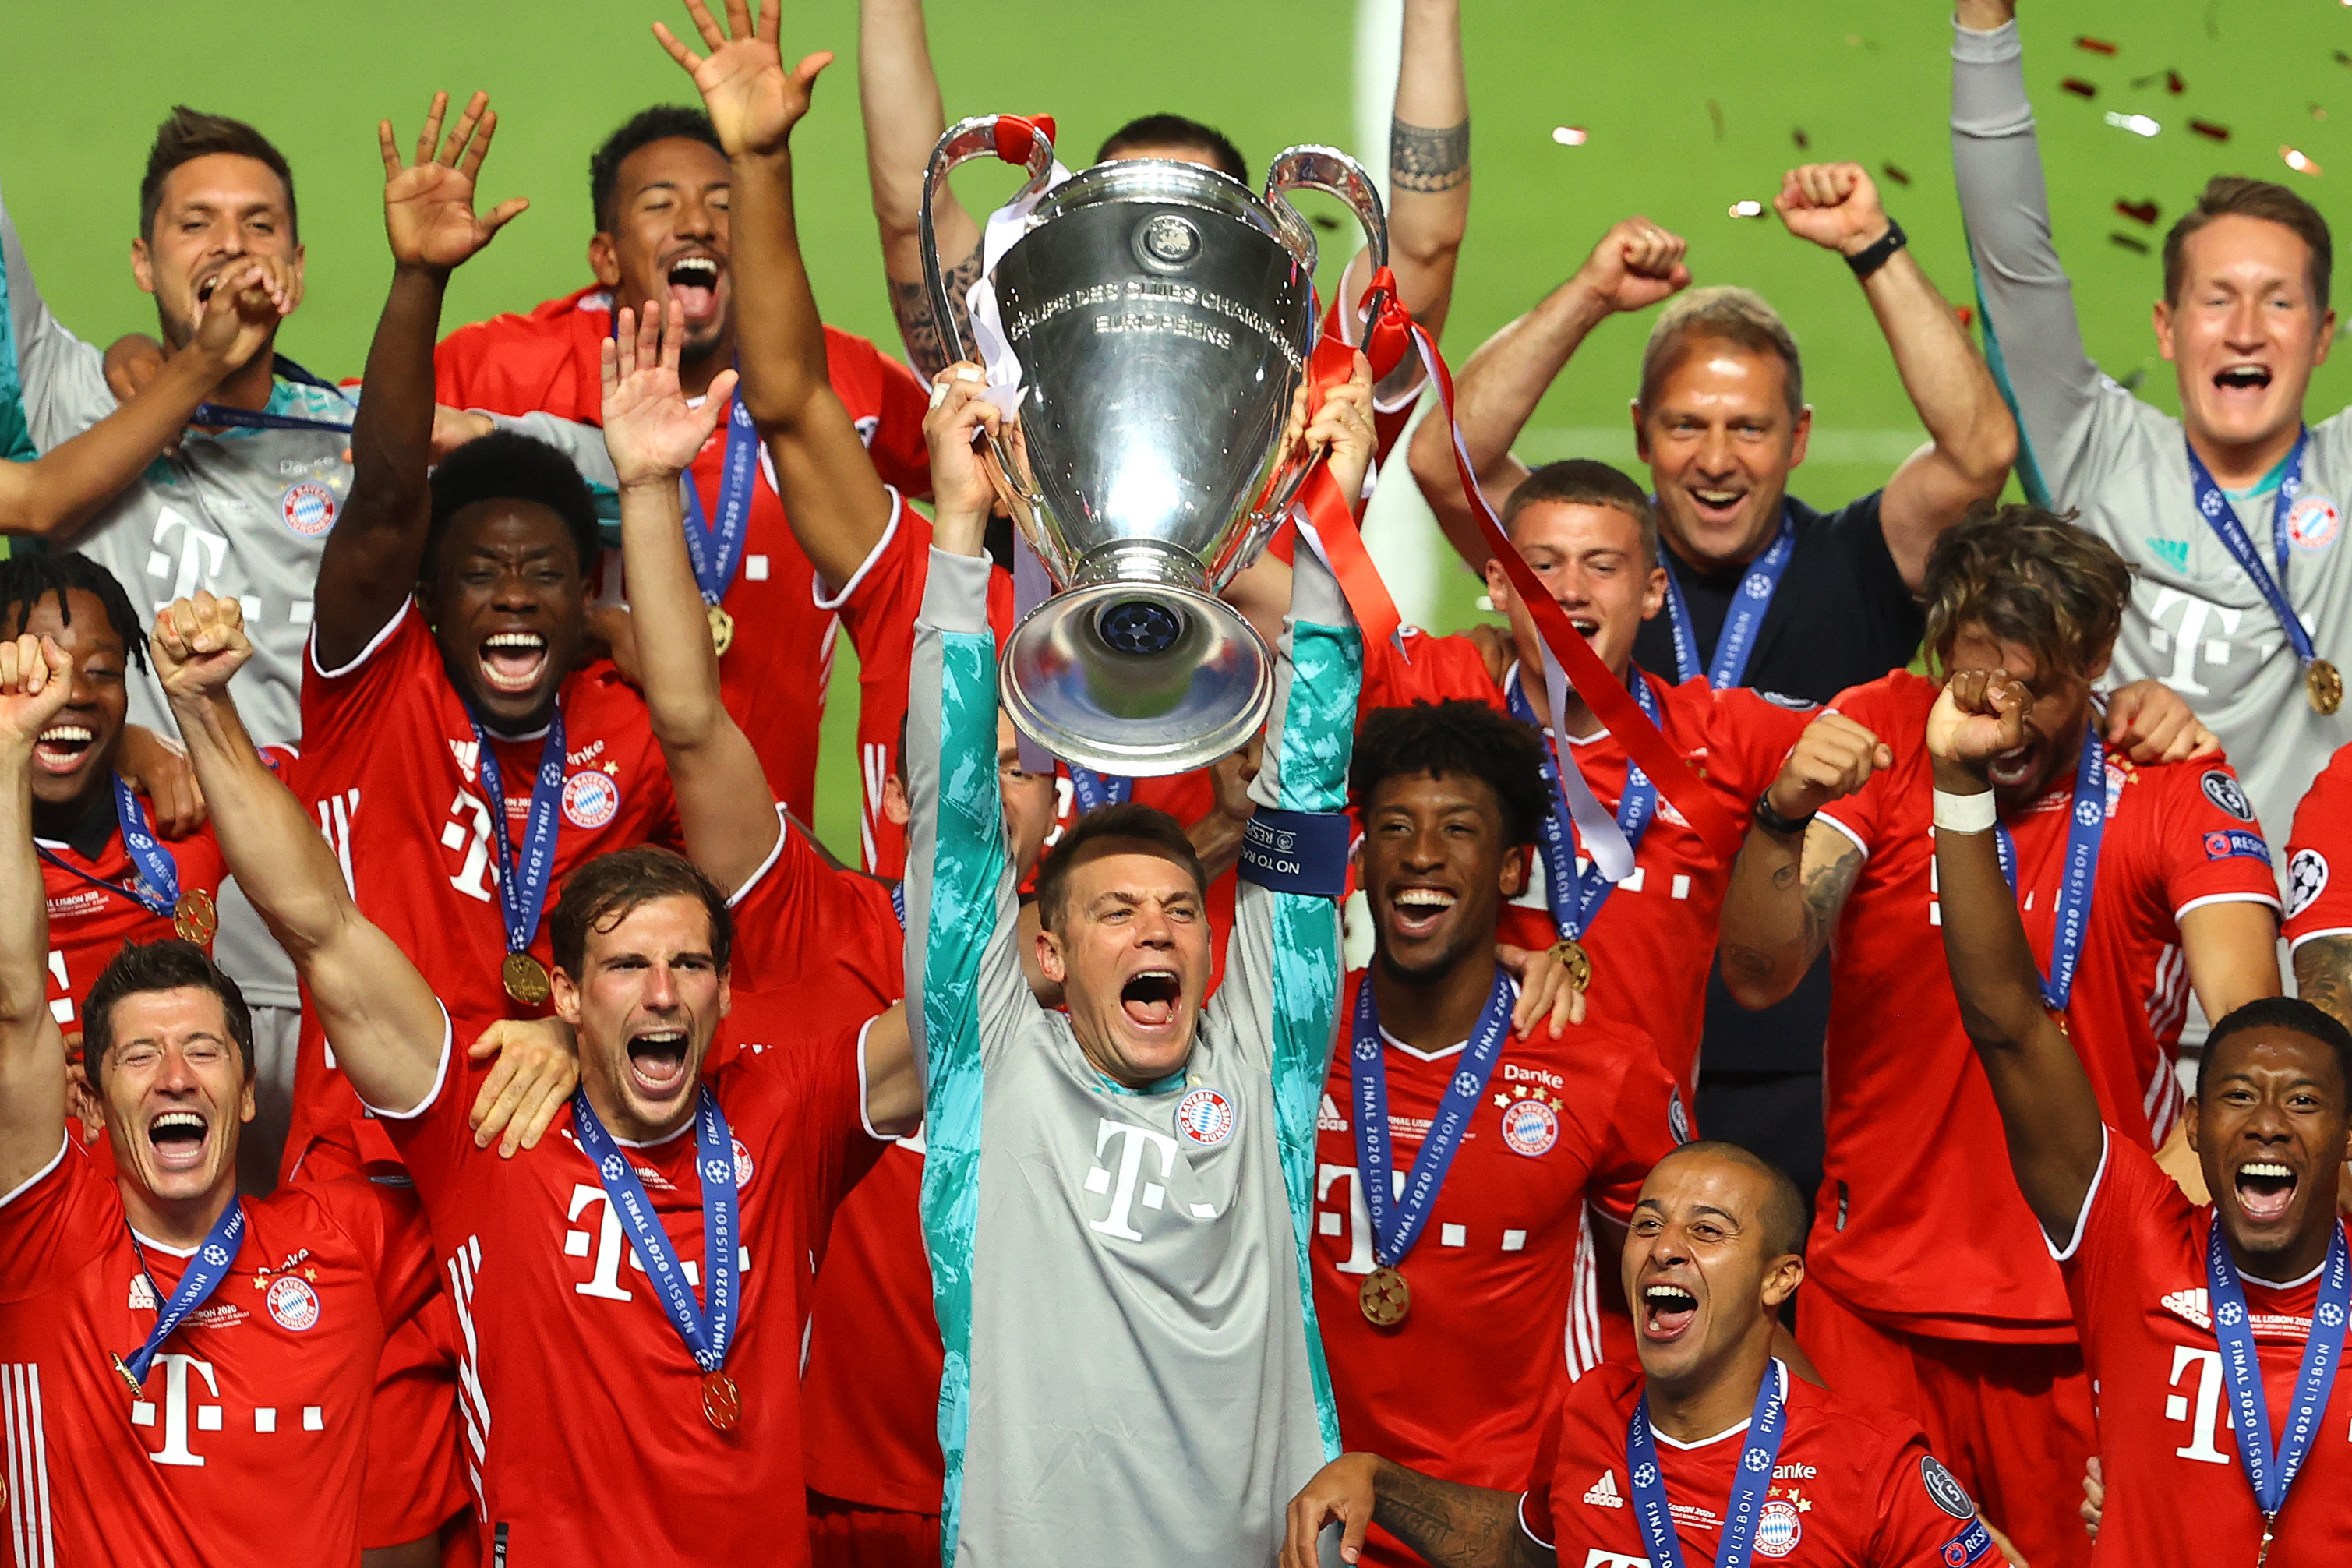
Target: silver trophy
1160,315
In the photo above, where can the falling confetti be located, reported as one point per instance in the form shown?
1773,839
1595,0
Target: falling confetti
1325,220
2095,45
2342,59
2171,79
1747,209
2129,242
1898,176
2131,382
2139,212
1715,112
2210,131
2080,87
1797,134
1569,135
2317,112
1967,314
2140,124
2297,162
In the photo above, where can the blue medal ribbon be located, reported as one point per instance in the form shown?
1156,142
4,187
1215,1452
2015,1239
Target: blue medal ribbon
1092,791
522,879
1750,1484
2273,1470
218,413
1577,896
156,886
716,548
1397,1223
205,1271
2086,825
1736,642
706,1326
2223,521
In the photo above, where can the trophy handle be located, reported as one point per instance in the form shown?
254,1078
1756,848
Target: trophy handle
1012,137
1332,172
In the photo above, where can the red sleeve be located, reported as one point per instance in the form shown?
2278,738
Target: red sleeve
878,606
2130,1200
339,704
1642,1130
1748,735
55,1223
797,919
887,403
436,1139
2208,846
1535,1503
1917,1525
2316,905
824,1078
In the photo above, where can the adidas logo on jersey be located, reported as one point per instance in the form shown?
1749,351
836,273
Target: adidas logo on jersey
1604,1492
142,1294
1329,1120
464,751
2191,1305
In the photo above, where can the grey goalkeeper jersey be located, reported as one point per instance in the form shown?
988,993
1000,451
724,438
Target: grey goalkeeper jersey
2196,621
1133,1371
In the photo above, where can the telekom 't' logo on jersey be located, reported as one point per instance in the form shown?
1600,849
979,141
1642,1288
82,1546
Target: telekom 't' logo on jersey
1133,1166
608,1245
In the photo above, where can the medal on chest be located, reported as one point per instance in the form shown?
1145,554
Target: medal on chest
714,543
523,878
154,883
2323,685
205,1271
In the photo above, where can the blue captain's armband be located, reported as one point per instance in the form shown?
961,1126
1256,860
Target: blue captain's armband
1303,852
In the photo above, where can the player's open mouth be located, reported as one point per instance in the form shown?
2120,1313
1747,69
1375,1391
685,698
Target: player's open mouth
694,286
1715,505
178,1138
2013,767
657,1060
2265,1188
1667,1311
62,747
1419,910
511,661
2243,377
205,289
1149,997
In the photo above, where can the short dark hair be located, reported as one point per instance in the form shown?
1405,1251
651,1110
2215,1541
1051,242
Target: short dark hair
1581,482
1176,131
1132,822
2026,577
506,465
2226,195
188,134
1784,1205
170,965
2292,1014
1724,314
27,578
1455,736
647,126
604,891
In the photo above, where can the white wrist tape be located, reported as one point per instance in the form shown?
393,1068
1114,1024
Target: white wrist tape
1965,813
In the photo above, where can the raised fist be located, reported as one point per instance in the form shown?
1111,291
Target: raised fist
1636,264
1833,758
1981,714
1833,205
36,678
198,644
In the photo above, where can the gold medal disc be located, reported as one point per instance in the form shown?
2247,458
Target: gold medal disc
526,979
1385,1298
2323,685
193,918
138,1394
722,1402
722,628
1571,952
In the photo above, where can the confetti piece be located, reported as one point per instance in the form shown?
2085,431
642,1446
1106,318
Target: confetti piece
2138,124
2129,242
2171,79
1747,209
1569,135
1715,112
2079,87
2095,46
1797,134
2139,212
2210,131
1894,174
2297,162
2342,59
1967,314
1325,220
2131,382
2317,112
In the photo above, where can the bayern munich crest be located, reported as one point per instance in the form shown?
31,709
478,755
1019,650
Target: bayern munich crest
1206,1117
308,509
1778,1528
743,1166
2312,522
1530,1127
292,1304
591,799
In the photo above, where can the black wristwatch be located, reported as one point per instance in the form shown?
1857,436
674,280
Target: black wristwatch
1866,262
1772,821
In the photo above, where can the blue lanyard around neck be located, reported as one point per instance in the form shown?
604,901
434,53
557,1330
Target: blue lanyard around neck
1736,642
2086,824
1576,896
2273,1470
1749,1486
1397,1222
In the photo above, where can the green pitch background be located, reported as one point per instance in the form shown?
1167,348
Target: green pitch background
1690,105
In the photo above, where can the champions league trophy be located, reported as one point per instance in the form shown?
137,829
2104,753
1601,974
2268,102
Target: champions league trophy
1147,324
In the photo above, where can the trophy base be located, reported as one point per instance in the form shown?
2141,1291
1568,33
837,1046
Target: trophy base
1137,678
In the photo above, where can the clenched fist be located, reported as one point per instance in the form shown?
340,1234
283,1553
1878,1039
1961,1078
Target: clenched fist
198,644
1833,758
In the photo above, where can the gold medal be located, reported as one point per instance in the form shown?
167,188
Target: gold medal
722,628
1571,952
193,918
138,1394
526,979
2323,685
722,1402
1385,1298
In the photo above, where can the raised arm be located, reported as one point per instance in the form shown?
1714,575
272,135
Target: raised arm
837,505
1636,265
371,559
1789,884
382,1020
1429,178
36,678
1450,1525
2055,1138
1971,440
899,97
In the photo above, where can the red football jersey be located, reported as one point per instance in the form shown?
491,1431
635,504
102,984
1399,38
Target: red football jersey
1504,1275
832,937
2177,1491
1854,1487
1918,1224
89,923
252,1433
1390,416
2316,904
583,1407
1652,943
389,769
772,676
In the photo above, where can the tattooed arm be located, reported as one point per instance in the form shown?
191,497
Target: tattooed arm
1450,1525
2323,976
904,121
1789,888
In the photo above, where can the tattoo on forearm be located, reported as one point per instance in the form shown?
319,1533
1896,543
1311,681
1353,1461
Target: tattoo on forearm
1451,1525
927,346
2323,974
1825,891
1421,159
